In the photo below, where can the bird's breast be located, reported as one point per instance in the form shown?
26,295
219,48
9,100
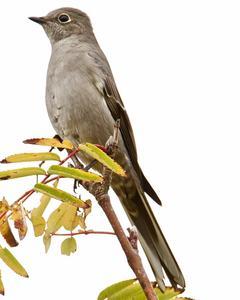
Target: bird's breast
76,107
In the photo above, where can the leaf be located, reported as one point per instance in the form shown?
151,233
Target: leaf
47,238
5,229
169,294
23,172
65,215
81,222
10,260
74,173
44,201
109,291
19,218
24,157
55,220
50,142
4,206
6,232
70,220
59,195
182,298
38,211
37,219
1,285
88,210
68,246
102,157
131,289
39,224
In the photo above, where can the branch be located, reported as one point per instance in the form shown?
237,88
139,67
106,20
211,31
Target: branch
100,192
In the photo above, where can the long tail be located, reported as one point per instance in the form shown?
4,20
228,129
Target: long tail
150,235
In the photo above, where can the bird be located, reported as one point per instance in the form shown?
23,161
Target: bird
83,104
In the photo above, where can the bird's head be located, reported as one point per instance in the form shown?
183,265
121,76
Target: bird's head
64,22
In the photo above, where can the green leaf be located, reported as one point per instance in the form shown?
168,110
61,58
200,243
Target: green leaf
59,195
74,173
12,262
1,285
47,238
131,289
69,246
102,157
39,224
50,142
17,173
24,157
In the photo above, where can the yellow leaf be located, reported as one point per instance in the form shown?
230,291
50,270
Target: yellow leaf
169,294
12,262
88,210
6,232
47,241
102,157
68,220
184,298
81,222
50,142
131,289
44,201
39,224
65,215
112,289
23,172
74,173
59,195
4,206
68,246
19,218
1,285
5,229
24,157
55,220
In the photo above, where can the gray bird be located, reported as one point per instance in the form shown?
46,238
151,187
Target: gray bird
83,104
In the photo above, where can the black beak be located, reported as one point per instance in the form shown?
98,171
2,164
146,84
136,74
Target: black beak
39,20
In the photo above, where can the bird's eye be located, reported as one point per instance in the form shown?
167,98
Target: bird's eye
64,18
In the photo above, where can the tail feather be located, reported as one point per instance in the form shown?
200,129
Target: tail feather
150,235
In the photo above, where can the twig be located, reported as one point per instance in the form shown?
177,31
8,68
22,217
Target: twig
86,232
100,192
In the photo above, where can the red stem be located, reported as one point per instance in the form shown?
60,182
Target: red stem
84,232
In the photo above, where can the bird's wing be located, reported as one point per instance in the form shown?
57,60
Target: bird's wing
118,111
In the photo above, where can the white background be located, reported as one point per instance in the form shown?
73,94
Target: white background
178,70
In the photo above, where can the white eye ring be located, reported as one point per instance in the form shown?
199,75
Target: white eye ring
64,18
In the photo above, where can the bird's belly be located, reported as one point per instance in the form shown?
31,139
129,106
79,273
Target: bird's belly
80,120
